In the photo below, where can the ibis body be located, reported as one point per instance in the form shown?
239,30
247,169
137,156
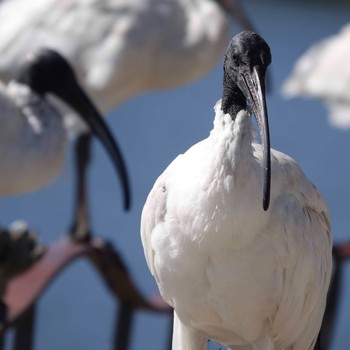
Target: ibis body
323,72
120,48
248,278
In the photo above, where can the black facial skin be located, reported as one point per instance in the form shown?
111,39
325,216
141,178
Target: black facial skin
246,60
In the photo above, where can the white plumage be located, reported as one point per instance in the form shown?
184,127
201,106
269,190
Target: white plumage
323,72
119,48
32,139
248,278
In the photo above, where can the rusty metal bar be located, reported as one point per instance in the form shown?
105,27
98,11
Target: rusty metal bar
108,262
341,252
2,341
170,335
24,331
80,227
333,297
124,321
23,291
3,316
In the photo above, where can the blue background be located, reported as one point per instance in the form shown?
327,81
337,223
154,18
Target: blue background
77,312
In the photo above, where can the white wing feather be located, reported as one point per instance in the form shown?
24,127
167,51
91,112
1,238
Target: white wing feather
322,72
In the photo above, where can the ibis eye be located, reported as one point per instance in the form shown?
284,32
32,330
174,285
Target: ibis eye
235,59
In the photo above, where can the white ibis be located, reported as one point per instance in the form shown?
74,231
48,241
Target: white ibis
247,275
323,72
33,136
120,48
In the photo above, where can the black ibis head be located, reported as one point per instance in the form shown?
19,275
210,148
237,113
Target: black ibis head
46,71
246,60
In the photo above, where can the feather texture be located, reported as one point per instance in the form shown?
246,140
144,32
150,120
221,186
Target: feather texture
246,278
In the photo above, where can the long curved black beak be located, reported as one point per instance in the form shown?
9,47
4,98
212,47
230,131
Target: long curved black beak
255,84
76,98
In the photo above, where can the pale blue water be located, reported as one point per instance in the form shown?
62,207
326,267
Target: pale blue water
77,312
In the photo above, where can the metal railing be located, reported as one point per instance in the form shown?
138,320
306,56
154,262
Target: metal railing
23,292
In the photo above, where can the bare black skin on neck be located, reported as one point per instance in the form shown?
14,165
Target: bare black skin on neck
233,99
